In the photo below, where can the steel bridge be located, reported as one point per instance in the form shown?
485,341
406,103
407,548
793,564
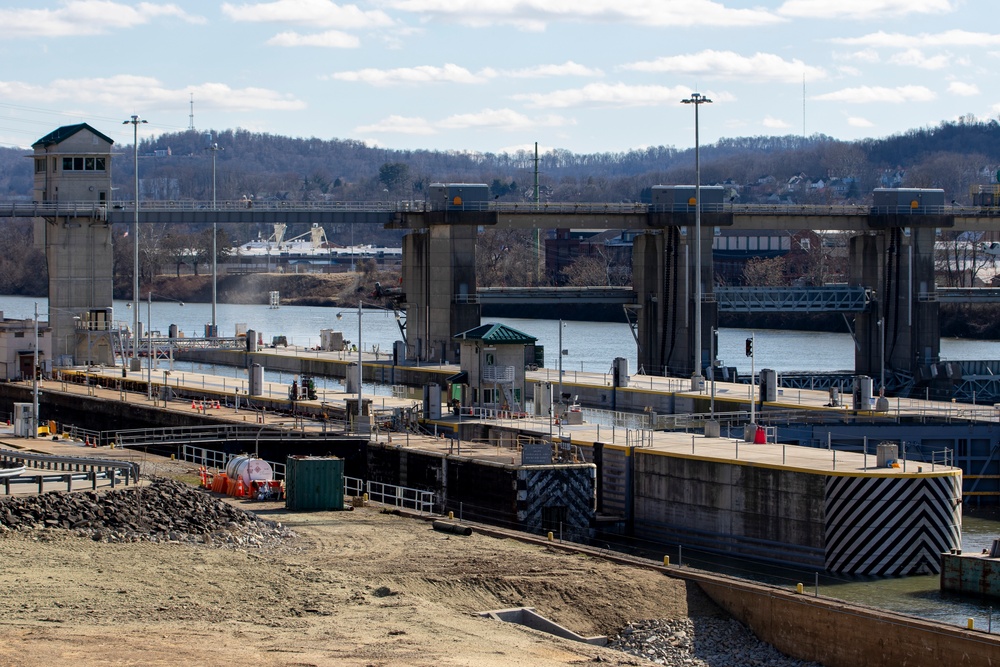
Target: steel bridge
590,215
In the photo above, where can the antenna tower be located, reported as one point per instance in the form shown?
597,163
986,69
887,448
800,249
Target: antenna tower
191,115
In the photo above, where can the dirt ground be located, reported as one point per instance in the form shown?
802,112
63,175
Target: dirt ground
353,588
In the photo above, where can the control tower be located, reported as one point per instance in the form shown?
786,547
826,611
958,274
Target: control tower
72,168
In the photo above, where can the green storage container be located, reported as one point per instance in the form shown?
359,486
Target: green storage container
314,483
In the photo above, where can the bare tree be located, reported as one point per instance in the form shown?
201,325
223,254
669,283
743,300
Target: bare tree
506,258
765,272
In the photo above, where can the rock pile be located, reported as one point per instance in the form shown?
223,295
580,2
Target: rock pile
699,642
163,511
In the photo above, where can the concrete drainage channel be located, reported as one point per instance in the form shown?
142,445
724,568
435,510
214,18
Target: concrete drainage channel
529,618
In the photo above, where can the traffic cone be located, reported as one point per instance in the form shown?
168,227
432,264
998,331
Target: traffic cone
240,489
193,406
217,406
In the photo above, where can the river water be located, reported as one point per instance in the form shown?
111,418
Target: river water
591,346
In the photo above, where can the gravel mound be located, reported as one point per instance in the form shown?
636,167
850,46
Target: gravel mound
163,511
700,642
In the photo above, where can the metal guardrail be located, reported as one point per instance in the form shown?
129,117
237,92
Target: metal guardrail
70,467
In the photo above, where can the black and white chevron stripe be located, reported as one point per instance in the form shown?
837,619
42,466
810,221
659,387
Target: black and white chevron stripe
571,487
891,525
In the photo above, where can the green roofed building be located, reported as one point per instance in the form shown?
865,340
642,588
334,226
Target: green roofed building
493,359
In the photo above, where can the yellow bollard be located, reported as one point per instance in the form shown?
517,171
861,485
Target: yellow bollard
971,623
364,498
173,457
451,516
666,561
551,536
799,588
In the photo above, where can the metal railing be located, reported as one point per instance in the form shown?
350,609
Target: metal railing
400,496
378,492
179,435
101,209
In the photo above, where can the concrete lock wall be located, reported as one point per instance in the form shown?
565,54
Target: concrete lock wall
836,634
758,512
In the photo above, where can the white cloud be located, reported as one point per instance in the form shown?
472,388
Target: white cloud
775,123
868,94
857,121
332,39
148,93
568,68
916,58
501,119
862,56
450,73
86,17
398,125
898,40
862,9
537,14
315,13
963,89
730,65
612,94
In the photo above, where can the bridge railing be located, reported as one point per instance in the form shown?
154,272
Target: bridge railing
100,210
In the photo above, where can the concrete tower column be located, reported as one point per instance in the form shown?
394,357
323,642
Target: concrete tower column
663,281
439,279
898,263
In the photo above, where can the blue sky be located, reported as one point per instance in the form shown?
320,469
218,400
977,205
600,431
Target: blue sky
495,75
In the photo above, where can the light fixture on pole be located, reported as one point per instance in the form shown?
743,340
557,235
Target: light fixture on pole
697,380
214,147
135,121
34,382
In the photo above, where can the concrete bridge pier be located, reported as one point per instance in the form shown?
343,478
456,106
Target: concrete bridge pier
898,263
663,280
439,280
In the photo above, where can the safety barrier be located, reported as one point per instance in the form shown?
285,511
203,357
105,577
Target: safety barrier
73,468
400,496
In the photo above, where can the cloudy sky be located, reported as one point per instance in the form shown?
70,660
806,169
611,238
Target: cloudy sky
493,75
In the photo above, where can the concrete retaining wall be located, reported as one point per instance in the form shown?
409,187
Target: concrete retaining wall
836,634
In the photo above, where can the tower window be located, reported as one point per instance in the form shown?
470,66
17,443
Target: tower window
84,164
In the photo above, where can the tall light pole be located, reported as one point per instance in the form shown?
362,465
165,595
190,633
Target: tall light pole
697,381
214,147
135,121
361,375
34,382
